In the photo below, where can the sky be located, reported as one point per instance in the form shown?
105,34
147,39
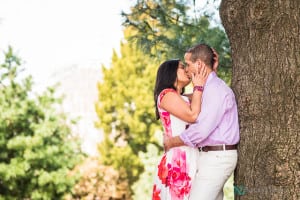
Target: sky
49,35
53,36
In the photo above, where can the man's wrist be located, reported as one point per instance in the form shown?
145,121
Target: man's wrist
176,142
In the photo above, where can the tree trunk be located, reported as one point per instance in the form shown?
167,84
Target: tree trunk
265,44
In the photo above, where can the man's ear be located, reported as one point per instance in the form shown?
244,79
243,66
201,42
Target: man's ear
198,63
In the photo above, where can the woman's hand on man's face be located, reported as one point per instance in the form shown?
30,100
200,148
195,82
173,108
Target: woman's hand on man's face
199,78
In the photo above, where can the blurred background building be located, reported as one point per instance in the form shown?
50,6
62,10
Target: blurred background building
79,86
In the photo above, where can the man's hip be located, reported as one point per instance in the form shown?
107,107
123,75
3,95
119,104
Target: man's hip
213,170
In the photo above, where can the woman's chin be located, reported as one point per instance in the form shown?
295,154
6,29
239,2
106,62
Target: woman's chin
187,83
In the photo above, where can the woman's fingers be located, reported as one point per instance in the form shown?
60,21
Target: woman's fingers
202,70
201,76
193,76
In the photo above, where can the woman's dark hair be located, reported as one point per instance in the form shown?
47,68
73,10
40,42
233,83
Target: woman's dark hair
165,78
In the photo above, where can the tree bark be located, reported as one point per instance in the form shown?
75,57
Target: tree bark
264,37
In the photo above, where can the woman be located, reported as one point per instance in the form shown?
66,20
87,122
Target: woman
177,167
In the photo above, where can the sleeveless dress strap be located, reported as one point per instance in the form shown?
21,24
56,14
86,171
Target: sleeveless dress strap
162,94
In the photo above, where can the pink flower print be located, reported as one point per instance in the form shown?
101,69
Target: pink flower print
180,183
165,117
156,193
166,121
178,179
179,159
163,170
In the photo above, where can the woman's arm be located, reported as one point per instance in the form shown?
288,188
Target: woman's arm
174,103
189,96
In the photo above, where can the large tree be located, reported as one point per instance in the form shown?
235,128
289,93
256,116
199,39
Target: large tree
37,150
265,45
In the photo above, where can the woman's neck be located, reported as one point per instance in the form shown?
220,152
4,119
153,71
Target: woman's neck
179,89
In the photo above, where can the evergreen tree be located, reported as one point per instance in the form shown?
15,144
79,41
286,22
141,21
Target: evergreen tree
37,150
126,110
168,28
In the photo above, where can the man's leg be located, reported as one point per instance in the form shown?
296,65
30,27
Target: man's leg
220,196
214,169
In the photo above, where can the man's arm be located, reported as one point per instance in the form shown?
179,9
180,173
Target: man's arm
170,142
207,121
209,118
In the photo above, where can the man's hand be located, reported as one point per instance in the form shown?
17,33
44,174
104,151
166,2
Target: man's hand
216,60
170,142
166,142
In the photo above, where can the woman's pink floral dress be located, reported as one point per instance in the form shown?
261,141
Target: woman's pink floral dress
177,168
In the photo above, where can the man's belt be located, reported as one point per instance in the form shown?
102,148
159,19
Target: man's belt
218,148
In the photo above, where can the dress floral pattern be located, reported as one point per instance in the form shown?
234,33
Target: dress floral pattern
177,167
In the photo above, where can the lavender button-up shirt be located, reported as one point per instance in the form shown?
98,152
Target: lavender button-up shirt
217,122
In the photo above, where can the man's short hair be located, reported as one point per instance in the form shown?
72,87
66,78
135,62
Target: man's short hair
203,52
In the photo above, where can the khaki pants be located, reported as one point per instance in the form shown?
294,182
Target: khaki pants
213,170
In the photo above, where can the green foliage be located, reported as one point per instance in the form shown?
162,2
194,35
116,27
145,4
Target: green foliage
143,187
36,148
167,28
126,110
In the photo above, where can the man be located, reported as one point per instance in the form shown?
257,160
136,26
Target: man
216,131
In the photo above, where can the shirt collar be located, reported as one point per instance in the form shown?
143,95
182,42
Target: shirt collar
210,77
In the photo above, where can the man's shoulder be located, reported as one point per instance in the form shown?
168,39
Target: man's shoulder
219,87
218,82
